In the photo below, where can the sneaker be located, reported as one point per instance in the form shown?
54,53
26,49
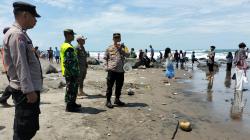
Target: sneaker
109,104
119,102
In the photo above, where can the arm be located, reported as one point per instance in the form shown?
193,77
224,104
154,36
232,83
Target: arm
124,51
106,58
71,64
18,48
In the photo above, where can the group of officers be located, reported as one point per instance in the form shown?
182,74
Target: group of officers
24,70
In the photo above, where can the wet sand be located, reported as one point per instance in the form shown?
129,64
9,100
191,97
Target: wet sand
150,114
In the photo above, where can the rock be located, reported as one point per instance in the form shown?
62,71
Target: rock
202,59
50,69
92,61
61,84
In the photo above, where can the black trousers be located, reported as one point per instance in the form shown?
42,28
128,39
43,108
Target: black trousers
229,66
118,79
26,121
6,95
210,67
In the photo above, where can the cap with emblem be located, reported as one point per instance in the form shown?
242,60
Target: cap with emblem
69,31
80,37
23,6
116,35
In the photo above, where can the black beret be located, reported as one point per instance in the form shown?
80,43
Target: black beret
23,6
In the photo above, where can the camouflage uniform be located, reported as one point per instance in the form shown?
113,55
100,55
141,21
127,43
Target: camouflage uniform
71,75
82,59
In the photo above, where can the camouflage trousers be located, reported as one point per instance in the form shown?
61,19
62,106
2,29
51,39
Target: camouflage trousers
71,90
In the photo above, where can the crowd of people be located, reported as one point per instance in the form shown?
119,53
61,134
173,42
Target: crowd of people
24,72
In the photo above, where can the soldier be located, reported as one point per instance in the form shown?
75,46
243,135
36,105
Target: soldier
82,59
70,70
24,71
114,56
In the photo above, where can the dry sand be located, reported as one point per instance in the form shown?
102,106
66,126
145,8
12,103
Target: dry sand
148,115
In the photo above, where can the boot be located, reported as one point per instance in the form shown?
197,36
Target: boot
109,104
77,105
119,102
72,108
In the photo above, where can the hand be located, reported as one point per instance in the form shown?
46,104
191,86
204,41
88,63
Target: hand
32,97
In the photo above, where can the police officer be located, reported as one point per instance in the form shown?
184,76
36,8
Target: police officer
114,56
24,71
83,65
6,95
70,70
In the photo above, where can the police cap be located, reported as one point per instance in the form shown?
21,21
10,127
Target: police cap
23,6
69,31
115,35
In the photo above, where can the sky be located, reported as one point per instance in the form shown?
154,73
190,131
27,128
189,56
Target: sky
178,24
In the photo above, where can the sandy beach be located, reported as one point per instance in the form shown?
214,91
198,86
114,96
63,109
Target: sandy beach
150,114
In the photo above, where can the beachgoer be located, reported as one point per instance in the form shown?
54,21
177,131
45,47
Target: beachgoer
176,58
70,70
24,71
181,59
229,58
143,60
193,58
210,61
50,55
152,51
83,65
132,53
241,66
114,56
169,73
38,53
57,55
98,56
160,55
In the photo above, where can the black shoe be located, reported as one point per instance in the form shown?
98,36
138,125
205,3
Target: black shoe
77,105
109,104
5,104
119,102
72,108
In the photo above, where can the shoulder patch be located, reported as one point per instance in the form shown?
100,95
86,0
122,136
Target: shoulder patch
21,39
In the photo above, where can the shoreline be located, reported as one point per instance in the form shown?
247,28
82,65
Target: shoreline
149,113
